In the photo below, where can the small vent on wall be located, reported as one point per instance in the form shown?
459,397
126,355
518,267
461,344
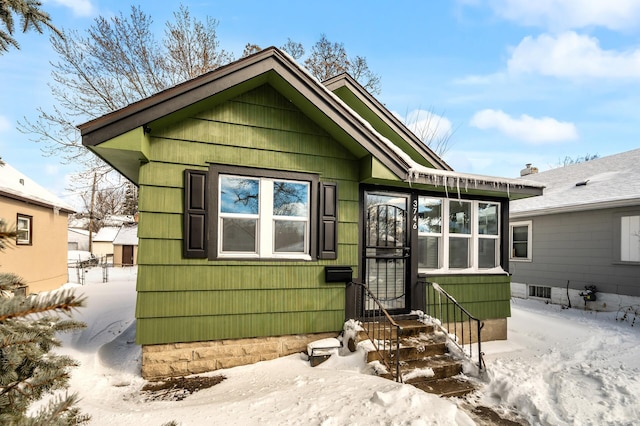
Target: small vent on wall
582,183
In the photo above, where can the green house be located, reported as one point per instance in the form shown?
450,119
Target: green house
263,192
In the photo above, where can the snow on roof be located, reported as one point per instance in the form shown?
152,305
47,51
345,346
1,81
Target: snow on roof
79,231
117,220
127,236
106,234
15,184
612,181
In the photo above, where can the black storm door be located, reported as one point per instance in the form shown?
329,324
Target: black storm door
387,249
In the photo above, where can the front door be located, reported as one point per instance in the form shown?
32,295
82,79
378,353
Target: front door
387,249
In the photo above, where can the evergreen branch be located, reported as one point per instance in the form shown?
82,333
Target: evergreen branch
17,307
60,411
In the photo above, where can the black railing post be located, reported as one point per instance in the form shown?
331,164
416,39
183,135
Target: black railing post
445,317
379,327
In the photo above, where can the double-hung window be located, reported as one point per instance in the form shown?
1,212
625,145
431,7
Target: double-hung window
233,212
630,238
520,240
263,217
24,230
429,233
488,235
458,234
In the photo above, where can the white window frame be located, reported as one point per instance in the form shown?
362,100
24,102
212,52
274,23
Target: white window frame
630,238
265,220
529,225
494,237
24,224
473,237
438,235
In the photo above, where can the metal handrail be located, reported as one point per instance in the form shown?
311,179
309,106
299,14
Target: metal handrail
451,308
379,329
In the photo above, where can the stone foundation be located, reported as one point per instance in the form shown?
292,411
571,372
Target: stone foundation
182,359
494,329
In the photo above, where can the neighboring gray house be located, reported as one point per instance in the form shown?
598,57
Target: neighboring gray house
78,239
582,233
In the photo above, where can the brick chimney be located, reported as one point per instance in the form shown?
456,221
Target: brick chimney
528,170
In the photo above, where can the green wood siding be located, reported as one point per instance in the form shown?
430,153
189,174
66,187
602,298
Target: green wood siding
484,296
233,275
204,328
182,300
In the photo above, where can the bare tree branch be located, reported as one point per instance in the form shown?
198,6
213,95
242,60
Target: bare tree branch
432,129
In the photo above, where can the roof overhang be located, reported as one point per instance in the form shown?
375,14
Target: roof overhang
619,203
34,202
455,184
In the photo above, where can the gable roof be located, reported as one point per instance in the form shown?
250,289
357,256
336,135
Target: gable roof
606,182
83,232
405,156
350,91
16,185
268,66
106,234
127,236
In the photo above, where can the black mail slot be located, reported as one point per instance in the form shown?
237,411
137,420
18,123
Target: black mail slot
338,274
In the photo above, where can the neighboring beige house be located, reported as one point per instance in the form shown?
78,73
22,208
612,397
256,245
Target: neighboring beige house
39,253
103,242
125,246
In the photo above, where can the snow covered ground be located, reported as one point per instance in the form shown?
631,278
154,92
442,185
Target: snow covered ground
559,367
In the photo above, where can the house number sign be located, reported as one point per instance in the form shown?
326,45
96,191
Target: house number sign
414,214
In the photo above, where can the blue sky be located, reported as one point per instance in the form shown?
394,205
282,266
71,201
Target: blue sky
519,81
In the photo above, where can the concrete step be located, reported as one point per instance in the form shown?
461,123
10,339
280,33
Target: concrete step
383,331
422,348
443,367
449,387
413,349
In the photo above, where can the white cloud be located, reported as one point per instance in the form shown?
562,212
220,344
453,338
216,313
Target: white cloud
79,7
566,14
5,124
51,169
572,55
526,128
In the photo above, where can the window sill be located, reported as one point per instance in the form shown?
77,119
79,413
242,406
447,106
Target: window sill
305,257
520,259
467,271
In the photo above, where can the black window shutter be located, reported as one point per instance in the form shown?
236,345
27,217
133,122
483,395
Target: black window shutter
328,229
195,214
